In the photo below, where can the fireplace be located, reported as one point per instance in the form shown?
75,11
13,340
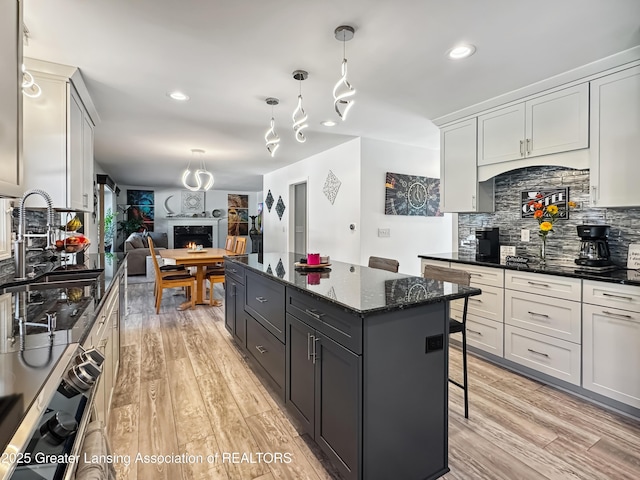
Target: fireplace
183,235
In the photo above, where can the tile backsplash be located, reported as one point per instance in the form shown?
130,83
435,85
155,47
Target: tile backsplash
563,244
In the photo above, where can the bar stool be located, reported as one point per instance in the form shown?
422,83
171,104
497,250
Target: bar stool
381,263
461,277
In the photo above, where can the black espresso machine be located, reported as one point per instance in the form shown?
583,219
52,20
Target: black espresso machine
594,247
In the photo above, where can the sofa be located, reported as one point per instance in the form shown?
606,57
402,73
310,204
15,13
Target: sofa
136,246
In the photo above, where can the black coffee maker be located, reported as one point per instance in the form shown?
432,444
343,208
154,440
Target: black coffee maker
594,248
488,244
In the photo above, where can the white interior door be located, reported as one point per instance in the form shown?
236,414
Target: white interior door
300,218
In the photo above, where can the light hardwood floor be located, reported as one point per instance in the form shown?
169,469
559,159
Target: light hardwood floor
185,388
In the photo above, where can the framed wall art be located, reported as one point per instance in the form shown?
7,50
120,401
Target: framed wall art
412,195
192,202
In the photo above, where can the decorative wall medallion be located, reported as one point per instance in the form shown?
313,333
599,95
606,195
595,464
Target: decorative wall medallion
192,202
280,207
331,187
269,270
269,200
280,271
412,195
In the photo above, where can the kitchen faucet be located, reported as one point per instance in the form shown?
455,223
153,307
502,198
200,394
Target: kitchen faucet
20,247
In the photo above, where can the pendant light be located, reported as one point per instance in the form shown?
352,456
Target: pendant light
343,91
202,171
299,116
271,137
29,86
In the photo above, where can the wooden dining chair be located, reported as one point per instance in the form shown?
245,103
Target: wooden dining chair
215,275
171,280
230,244
241,245
384,264
461,277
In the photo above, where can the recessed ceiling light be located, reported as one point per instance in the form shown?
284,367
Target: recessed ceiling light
178,96
328,123
461,51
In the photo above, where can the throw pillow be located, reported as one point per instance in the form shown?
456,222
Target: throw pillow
136,242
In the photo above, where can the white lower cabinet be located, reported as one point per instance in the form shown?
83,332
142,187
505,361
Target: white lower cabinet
489,304
611,353
555,357
484,334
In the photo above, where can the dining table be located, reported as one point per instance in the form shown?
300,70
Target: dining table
199,259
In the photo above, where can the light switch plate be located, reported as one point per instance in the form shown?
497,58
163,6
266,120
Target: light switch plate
525,235
384,232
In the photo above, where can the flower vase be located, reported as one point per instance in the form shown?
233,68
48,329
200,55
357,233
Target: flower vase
543,250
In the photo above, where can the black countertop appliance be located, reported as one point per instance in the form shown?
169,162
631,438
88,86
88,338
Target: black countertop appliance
594,247
487,244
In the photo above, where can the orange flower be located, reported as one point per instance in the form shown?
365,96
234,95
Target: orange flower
572,204
552,209
531,202
538,214
539,195
546,226
538,206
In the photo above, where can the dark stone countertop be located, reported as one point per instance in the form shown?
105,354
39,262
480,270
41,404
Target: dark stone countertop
620,275
356,289
76,312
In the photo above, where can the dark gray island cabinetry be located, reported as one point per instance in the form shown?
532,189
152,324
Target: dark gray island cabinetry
358,355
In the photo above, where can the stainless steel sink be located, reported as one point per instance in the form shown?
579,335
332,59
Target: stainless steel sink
55,279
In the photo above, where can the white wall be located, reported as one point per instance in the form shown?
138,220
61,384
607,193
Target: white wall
410,236
328,225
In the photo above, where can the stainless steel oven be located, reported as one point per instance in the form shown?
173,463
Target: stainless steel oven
46,444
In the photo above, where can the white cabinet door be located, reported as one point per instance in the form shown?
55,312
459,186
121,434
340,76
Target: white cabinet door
87,158
558,122
501,135
459,188
10,99
75,166
615,137
610,353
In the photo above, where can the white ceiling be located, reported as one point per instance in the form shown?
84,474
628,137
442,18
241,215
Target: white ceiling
229,55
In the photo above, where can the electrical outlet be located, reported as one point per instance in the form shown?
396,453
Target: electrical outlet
525,234
384,232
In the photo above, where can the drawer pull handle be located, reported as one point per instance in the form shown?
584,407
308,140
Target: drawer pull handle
539,353
538,314
474,331
314,353
309,337
538,284
522,148
261,349
605,294
314,313
616,314
475,274
232,270
475,299
261,299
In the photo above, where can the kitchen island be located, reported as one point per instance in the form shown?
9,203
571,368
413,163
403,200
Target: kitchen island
359,357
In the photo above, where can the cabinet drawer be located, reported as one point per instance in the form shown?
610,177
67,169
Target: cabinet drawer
484,334
489,304
342,327
482,275
264,300
436,263
555,357
267,351
559,318
235,271
541,284
625,297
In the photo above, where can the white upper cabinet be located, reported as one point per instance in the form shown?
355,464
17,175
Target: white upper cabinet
10,99
552,123
615,139
459,187
58,138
